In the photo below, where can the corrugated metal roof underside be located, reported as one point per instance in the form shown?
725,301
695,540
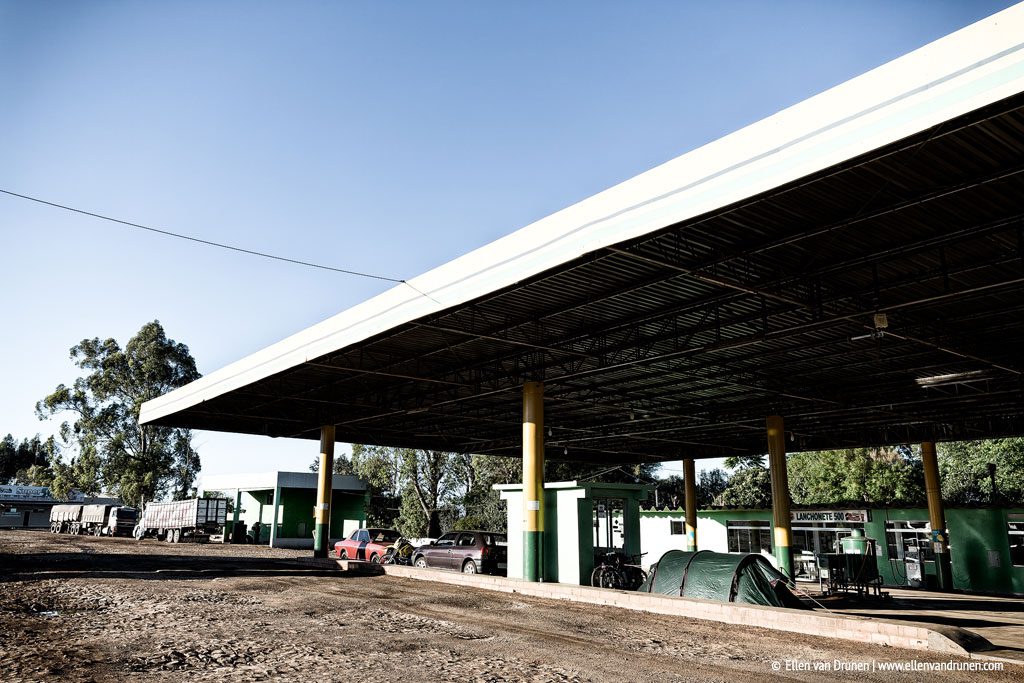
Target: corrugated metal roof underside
680,343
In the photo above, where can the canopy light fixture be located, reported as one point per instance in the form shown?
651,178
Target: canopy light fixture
881,322
953,378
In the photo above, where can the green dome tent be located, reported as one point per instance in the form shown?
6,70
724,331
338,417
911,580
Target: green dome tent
726,577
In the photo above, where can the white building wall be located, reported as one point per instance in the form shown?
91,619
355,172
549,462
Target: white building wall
656,538
711,535
568,530
514,500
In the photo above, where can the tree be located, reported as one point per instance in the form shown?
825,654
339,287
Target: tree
876,476
428,485
965,473
711,485
749,488
36,475
27,462
342,465
742,462
483,506
380,467
671,491
112,451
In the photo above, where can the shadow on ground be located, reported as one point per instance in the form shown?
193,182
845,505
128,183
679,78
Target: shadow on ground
66,565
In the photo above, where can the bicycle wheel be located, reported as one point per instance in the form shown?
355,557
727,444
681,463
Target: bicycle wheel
611,577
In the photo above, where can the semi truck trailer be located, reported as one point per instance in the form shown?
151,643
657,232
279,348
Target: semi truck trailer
195,519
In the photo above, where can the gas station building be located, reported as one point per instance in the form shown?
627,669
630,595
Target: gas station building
847,272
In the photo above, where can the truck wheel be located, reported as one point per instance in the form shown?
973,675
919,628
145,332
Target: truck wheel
176,536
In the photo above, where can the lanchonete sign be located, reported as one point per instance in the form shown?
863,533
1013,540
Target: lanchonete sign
41,493
860,516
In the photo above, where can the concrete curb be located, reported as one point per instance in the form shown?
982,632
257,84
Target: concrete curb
949,640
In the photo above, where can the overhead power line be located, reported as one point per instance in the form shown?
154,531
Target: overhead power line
210,243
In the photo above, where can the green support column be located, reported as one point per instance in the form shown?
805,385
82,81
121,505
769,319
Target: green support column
690,498
780,494
936,516
234,515
322,513
273,522
259,518
533,481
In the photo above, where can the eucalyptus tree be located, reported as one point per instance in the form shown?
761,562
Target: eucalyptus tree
107,447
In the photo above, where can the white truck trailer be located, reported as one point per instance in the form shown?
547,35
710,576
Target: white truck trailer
194,519
65,519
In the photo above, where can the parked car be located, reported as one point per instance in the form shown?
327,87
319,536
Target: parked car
471,552
366,544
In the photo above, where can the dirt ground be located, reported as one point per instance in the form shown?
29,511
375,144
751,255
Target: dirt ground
101,609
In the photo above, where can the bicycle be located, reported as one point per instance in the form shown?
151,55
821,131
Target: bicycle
619,572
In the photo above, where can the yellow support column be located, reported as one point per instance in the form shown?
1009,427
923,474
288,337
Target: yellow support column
936,516
690,496
533,481
780,494
322,512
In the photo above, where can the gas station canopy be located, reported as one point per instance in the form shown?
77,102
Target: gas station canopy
854,263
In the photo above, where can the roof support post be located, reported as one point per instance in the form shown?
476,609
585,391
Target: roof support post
234,516
780,494
690,498
533,481
277,507
321,535
936,516
257,530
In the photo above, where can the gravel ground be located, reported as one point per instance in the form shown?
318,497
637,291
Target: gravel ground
100,609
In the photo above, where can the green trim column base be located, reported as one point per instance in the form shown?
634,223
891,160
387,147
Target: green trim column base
943,572
533,555
785,557
320,540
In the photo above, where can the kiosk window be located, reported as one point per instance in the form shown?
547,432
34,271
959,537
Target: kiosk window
675,528
900,535
749,536
1015,536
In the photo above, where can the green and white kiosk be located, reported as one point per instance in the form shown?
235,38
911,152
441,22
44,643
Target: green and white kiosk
582,520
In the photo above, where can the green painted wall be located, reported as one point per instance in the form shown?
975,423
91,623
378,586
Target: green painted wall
550,570
295,516
979,545
295,512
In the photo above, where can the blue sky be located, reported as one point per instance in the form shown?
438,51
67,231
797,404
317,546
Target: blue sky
381,137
